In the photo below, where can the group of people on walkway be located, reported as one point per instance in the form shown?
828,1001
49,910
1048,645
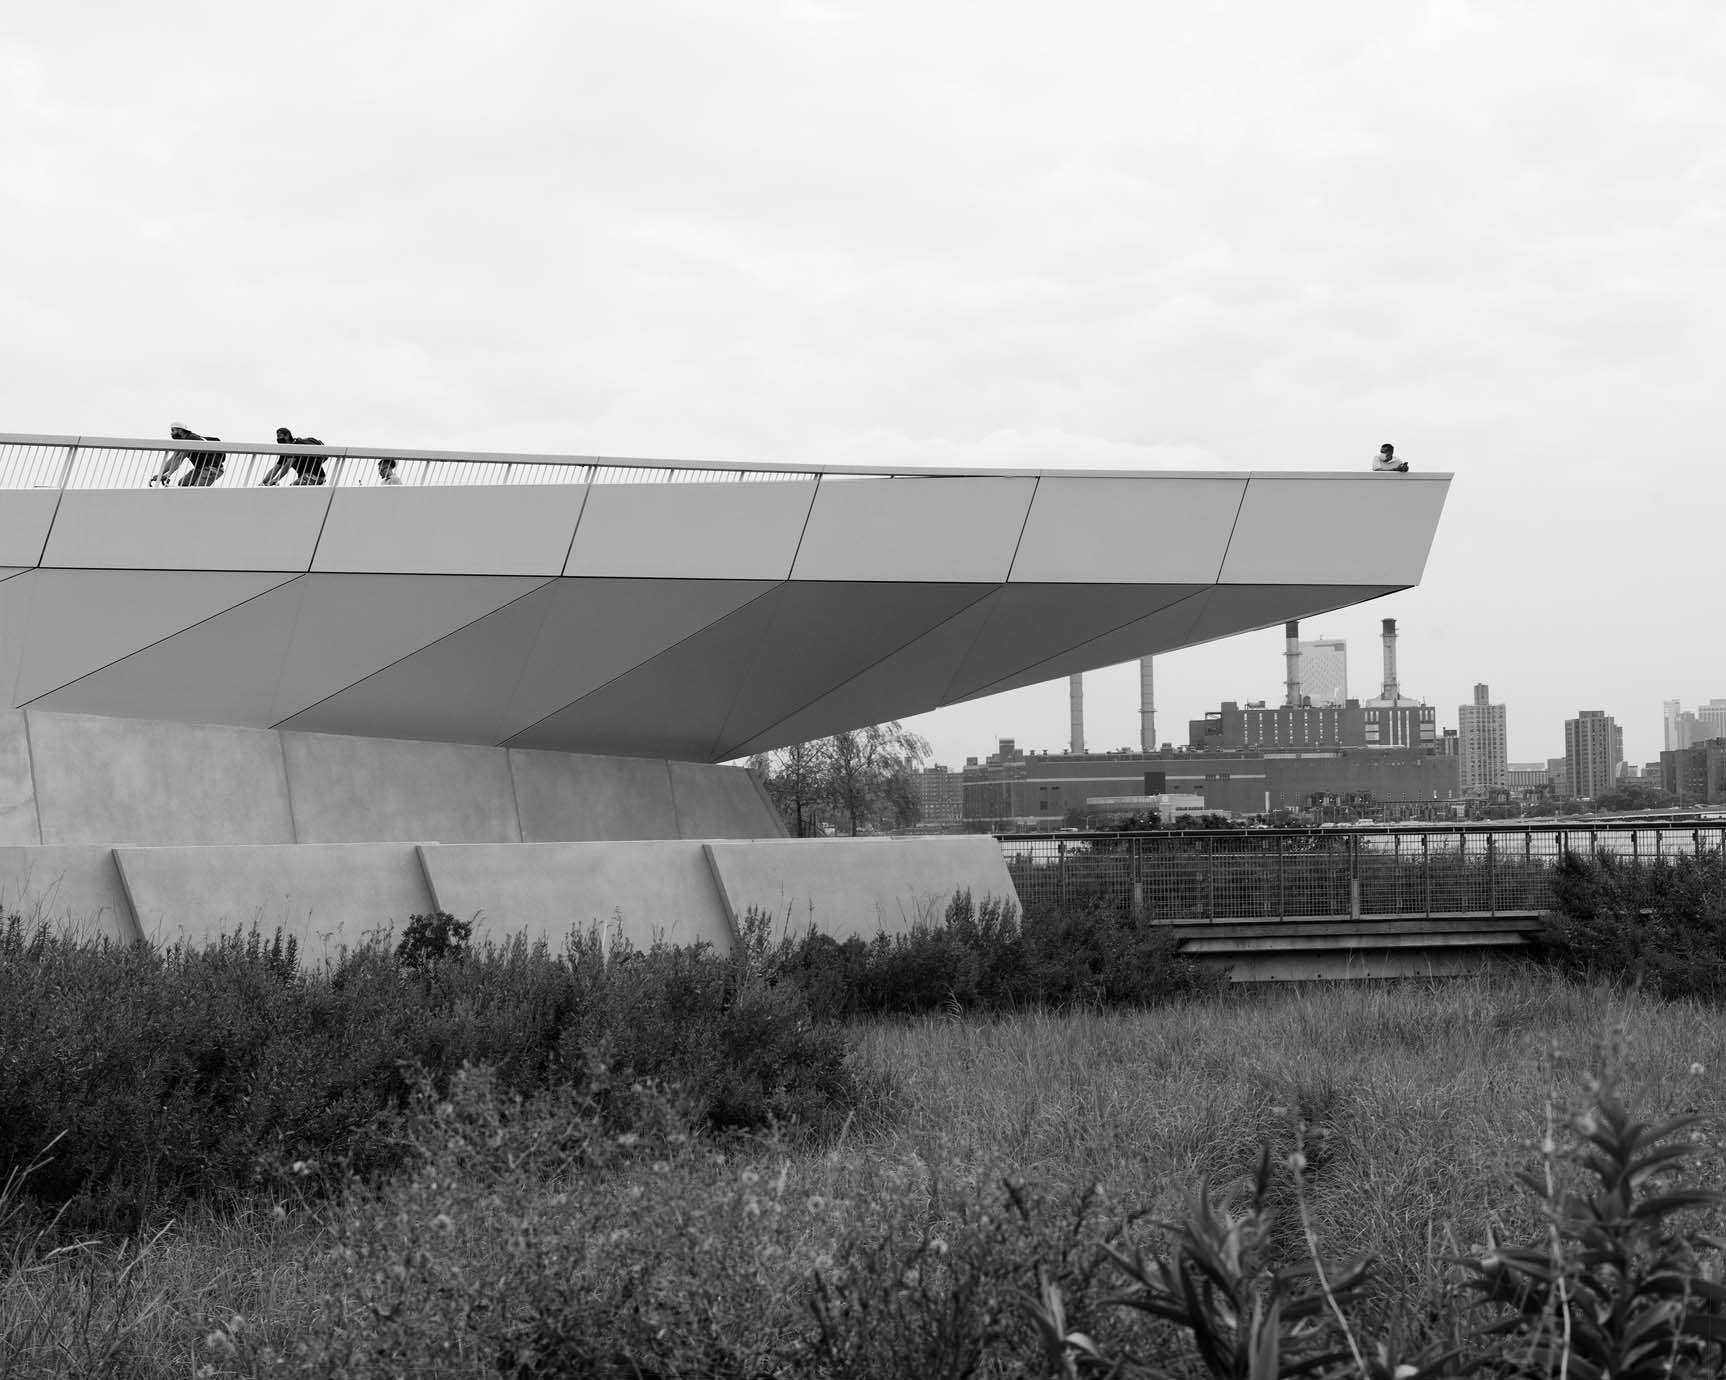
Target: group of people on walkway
208,463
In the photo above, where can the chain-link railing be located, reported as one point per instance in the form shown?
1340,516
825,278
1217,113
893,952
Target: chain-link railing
1189,876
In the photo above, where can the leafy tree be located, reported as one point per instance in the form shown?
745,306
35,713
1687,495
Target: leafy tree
858,781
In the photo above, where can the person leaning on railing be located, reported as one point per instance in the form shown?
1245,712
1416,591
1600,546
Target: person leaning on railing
1386,460
207,465
308,469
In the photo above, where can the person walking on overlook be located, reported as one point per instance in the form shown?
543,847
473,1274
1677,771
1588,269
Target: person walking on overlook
308,469
207,465
1386,460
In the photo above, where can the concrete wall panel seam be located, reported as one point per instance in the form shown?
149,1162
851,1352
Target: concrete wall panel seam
132,915
514,793
287,785
725,907
426,872
671,790
35,793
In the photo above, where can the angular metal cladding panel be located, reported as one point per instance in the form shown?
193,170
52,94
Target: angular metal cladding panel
352,626
188,529
914,528
455,690
15,587
500,673
1158,529
1162,630
1365,529
25,517
674,705
222,671
459,530
909,681
1031,624
691,531
81,620
597,629
1231,609
824,633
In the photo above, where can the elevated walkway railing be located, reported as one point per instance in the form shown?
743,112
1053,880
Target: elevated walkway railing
1186,877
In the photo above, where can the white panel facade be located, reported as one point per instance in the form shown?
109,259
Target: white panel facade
25,515
914,528
1150,529
188,529
460,530
718,531
1367,529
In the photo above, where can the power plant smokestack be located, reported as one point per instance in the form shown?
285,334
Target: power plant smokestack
1077,693
1147,707
1390,692
1291,654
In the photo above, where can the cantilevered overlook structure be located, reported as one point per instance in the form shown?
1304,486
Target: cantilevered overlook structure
601,622
700,613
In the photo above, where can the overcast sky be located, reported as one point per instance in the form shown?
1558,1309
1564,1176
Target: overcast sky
1245,236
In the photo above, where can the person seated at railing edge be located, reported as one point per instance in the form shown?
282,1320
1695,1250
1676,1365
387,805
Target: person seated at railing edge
1386,460
387,472
308,469
207,465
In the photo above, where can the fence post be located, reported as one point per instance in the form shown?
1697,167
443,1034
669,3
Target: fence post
1282,890
1061,874
1491,874
1426,869
66,469
1210,878
1138,874
1354,876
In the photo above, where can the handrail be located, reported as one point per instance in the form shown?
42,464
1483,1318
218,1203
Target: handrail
597,462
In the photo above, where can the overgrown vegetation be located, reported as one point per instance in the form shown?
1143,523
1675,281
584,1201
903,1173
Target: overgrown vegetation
1660,925
436,1158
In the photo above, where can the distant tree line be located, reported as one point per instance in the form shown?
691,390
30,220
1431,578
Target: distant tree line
859,782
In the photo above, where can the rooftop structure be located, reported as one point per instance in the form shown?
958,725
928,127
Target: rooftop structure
687,611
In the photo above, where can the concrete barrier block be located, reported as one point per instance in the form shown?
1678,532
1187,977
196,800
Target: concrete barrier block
862,887
326,896
18,823
75,890
144,781
647,892
572,797
721,803
353,790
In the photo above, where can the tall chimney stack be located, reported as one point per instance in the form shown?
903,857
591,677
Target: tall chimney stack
1076,688
1147,707
1291,654
1390,692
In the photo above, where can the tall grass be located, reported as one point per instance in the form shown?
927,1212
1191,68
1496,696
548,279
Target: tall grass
532,1235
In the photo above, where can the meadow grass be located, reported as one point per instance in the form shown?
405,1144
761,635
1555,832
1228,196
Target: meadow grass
507,1250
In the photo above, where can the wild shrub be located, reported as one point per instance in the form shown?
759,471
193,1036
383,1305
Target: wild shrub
220,1070
1661,925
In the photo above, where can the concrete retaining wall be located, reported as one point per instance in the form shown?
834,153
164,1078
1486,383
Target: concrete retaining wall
863,887
327,896
90,779
643,893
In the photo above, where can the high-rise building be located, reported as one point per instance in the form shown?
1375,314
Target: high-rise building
1593,748
1671,713
1324,671
1712,717
1481,734
941,793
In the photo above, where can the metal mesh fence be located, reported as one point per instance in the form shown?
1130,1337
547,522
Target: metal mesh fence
1189,876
